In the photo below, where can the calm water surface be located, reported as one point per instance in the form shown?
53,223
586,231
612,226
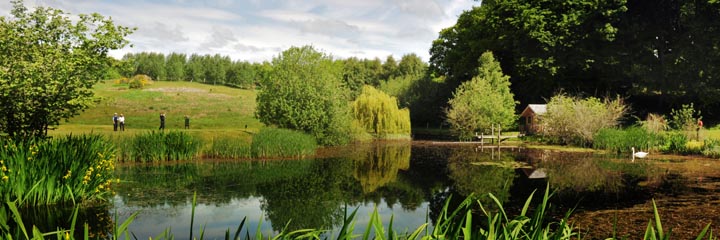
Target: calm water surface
409,182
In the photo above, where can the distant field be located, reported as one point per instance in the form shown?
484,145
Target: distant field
213,110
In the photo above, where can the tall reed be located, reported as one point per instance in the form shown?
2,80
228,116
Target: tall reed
67,169
228,147
275,142
156,146
621,140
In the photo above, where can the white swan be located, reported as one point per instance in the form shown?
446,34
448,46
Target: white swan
638,154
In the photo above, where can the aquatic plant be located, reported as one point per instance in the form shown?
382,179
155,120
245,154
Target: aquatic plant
276,142
621,140
155,146
228,147
68,169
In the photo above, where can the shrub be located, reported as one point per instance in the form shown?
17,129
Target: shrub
378,114
675,143
694,147
572,120
655,123
275,142
139,81
712,148
62,170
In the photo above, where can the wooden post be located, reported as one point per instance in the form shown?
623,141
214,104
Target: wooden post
498,137
492,132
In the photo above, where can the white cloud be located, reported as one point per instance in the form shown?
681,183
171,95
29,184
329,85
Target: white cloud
219,38
258,30
329,27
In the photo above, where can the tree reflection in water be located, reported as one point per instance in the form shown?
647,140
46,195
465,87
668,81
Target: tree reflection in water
410,179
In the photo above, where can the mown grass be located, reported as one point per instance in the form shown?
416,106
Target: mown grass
470,220
211,108
55,171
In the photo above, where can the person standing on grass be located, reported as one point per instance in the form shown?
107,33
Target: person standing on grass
121,121
162,121
187,122
697,131
115,122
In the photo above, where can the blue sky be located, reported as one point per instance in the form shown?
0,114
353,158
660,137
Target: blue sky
257,30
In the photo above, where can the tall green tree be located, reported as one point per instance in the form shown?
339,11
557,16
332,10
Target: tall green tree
379,115
390,68
242,74
482,101
194,68
49,64
544,45
304,91
175,66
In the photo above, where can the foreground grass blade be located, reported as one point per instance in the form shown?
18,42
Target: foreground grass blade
17,218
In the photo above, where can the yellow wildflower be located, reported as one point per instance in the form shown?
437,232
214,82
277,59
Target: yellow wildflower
5,178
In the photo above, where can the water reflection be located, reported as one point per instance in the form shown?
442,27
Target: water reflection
410,181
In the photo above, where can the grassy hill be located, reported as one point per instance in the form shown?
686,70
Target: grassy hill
213,110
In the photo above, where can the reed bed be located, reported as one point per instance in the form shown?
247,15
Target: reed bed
275,142
228,147
621,140
470,220
55,171
158,146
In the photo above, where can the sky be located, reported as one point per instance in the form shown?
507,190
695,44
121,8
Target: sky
258,30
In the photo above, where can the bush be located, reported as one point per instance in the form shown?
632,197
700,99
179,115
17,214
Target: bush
655,123
275,142
572,120
685,120
712,148
378,114
675,143
139,81
694,147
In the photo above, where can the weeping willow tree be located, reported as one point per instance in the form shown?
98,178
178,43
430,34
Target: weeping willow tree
379,115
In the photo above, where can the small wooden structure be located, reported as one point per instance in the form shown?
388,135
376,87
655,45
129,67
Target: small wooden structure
532,115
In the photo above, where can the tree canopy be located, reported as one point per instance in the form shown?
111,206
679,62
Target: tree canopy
304,91
482,102
49,64
652,51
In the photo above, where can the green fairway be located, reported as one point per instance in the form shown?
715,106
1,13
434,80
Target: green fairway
213,110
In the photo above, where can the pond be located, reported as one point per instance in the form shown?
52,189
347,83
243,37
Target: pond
409,182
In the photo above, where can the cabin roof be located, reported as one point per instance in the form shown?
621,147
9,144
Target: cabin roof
534,109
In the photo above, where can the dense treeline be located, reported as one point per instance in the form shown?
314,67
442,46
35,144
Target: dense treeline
210,69
660,54
406,79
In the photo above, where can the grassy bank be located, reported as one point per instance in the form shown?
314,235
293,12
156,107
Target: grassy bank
212,109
